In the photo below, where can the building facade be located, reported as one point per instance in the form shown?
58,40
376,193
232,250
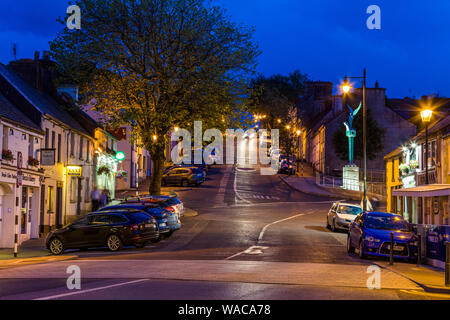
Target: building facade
407,191
20,175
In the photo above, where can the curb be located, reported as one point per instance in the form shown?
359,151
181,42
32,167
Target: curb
34,260
307,192
190,212
426,288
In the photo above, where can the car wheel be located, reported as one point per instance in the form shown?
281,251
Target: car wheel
140,245
328,225
333,226
362,255
350,249
56,246
114,243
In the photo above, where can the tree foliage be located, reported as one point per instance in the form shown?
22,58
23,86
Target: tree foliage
375,138
156,64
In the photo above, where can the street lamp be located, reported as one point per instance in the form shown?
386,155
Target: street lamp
426,118
346,89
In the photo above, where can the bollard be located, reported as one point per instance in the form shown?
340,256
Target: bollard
391,251
447,264
419,249
16,236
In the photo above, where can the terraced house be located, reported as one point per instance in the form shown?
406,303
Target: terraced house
66,152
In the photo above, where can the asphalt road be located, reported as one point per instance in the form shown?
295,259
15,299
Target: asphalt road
254,238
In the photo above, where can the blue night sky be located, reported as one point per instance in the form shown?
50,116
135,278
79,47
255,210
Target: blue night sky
327,39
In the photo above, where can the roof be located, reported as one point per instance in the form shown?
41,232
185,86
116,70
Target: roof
430,190
442,124
43,102
12,113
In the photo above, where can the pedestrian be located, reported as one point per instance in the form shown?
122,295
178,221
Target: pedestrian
104,198
95,198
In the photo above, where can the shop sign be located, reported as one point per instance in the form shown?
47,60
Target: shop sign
74,171
47,157
19,178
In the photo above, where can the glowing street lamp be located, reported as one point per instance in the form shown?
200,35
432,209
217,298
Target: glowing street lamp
155,137
288,127
426,118
346,87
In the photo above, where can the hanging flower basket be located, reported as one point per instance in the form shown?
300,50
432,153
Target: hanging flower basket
404,168
413,164
33,162
121,174
103,170
7,155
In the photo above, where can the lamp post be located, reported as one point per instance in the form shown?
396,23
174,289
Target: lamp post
426,118
346,89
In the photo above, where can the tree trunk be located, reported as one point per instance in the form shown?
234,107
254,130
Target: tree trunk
157,155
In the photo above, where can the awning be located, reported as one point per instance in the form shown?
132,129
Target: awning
431,190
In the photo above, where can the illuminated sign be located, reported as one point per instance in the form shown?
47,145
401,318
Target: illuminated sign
74,171
120,155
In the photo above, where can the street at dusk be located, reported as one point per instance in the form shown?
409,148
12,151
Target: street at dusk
213,156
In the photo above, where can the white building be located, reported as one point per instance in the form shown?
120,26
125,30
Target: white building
20,175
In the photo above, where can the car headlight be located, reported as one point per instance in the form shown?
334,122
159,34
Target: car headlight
372,239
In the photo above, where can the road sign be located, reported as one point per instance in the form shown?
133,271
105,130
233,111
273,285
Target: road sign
19,178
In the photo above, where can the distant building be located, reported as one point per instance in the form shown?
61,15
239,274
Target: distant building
324,114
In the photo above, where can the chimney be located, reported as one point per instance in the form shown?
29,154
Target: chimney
46,55
376,84
36,56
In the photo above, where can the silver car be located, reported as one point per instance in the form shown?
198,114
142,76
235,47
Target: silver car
341,215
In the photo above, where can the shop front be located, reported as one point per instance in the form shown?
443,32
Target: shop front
106,173
19,196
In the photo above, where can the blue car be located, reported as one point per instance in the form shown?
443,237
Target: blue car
167,221
370,232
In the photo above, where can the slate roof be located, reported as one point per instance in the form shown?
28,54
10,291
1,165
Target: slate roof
10,112
43,102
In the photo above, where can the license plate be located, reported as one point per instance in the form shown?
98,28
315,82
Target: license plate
149,225
396,248
162,224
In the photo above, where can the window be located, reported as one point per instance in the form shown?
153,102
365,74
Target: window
73,189
53,139
87,191
392,171
100,219
46,138
432,152
31,146
81,148
116,219
59,148
88,151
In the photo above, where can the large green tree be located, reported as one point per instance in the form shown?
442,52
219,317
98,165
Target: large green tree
375,138
156,64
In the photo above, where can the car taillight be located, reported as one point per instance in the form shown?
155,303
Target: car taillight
171,209
134,227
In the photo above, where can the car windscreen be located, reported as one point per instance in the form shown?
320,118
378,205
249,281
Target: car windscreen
386,223
349,210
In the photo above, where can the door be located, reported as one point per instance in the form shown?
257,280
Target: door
79,196
75,236
58,217
42,211
95,234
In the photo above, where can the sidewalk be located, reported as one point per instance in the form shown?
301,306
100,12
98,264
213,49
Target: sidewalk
429,278
307,185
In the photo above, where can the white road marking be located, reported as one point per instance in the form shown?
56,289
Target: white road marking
261,235
235,190
90,290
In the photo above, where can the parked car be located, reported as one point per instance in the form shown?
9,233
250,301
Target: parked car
370,232
170,203
110,228
167,221
183,176
341,215
287,167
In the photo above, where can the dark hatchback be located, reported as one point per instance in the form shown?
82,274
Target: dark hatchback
167,221
110,228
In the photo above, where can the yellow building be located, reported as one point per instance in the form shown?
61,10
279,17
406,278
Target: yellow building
408,193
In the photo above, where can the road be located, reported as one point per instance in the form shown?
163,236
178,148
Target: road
254,238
